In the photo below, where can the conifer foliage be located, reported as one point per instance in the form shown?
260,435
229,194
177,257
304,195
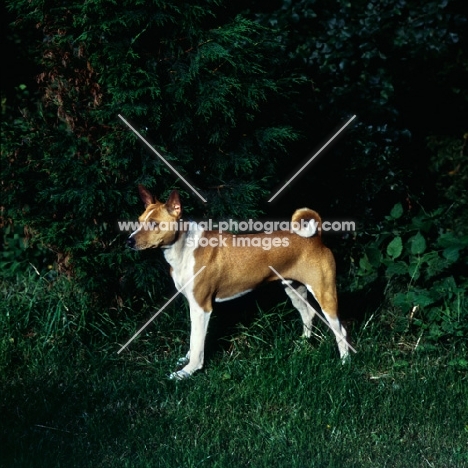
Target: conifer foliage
196,81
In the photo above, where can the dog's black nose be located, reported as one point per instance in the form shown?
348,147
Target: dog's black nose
131,242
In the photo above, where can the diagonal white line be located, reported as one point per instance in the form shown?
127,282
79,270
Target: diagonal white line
161,309
161,157
312,158
305,302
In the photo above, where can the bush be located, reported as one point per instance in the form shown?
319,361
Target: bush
423,256
197,84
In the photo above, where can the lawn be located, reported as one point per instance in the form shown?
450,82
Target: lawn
265,398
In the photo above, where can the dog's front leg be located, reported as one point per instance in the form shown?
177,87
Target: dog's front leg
199,325
184,359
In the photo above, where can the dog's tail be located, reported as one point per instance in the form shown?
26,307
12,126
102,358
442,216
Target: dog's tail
306,223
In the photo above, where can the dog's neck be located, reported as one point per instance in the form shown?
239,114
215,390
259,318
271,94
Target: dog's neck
183,246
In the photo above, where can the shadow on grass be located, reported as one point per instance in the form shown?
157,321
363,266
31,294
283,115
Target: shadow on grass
265,398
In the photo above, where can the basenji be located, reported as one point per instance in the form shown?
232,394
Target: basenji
300,260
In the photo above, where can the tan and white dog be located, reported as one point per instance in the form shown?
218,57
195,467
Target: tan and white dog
231,270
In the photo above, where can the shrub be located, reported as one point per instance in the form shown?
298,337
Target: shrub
197,84
423,255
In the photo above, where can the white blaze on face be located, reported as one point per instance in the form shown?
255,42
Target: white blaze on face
142,224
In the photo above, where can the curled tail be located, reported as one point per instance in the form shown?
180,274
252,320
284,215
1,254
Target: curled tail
306,223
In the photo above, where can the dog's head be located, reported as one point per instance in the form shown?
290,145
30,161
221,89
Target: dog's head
158,224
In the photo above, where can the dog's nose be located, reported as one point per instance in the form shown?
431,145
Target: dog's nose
131,242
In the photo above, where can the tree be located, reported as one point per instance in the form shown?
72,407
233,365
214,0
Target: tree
400,65
199,85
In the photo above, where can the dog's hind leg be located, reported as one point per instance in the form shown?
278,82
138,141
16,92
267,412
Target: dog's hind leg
329,305
340,334
298,296
199,325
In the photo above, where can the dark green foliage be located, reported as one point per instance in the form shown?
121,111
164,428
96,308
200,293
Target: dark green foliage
197,87
423,256
423,263
216,93
17,255
449,165
234,95
400,65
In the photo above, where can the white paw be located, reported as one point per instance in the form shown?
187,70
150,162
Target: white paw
179,375
346,358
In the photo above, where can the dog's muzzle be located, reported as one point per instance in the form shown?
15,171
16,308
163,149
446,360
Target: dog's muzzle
131,242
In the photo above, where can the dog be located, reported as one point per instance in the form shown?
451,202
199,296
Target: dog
226,269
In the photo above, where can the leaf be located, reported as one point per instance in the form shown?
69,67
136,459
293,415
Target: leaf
403,300
397,211
364,265
395,247
422,222
449,239
397,268
435,264
446,287
374,256
418,244
419,297
423,298
452,254
414,269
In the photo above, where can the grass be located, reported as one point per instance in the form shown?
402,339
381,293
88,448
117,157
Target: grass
264,399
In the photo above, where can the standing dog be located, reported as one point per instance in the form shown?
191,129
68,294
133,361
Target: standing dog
232,270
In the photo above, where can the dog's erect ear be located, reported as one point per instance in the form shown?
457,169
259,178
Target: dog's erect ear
173,204
145,196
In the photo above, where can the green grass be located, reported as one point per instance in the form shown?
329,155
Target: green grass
264,399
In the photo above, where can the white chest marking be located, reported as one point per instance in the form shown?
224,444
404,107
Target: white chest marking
180,256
